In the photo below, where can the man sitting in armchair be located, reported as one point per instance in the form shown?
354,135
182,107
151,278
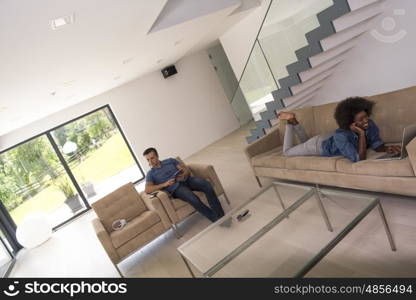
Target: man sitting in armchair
173,177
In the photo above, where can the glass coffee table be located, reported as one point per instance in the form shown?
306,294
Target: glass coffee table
288,229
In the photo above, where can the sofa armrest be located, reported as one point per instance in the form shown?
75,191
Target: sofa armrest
207,172
155,204
411,151
167,204
266,143
105,240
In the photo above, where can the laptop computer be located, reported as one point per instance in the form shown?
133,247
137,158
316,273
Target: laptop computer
409,132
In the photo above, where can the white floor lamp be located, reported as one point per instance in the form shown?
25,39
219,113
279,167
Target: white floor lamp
33,230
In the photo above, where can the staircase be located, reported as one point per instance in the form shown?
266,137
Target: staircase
327,46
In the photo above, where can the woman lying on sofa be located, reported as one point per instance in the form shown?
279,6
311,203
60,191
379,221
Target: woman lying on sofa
355,134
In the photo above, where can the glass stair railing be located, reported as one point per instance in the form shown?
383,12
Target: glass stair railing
297,48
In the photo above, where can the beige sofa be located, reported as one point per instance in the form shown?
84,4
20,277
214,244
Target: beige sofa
146,220
392,112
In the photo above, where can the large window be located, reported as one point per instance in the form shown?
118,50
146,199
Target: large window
34,181
94,149
6,255
61,171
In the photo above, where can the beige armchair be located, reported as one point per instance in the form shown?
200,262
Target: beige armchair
146,220
177,209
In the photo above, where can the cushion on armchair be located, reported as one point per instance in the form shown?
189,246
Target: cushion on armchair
123,203
135,227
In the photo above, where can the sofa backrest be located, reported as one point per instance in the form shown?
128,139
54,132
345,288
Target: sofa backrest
306,119
124,203
324,118
393,111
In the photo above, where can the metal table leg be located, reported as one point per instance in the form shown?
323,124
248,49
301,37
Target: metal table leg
176,231
187,265
226,199
386,227
280,198
322,208
119,271
258,182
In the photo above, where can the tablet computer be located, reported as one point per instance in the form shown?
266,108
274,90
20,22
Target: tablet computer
176,174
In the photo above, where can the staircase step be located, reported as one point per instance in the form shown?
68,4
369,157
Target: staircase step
268,115
274,105
289,80
301,103
319,33
281,93
263,124
299,66
313,72
257,132
308,51
344,36
251,139
256,116
356,4
309,91
304,85
357,16
322,57
339,8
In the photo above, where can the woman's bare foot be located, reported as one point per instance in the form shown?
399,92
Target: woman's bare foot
285,115
288,116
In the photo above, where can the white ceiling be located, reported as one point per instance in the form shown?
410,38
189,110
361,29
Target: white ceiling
43,70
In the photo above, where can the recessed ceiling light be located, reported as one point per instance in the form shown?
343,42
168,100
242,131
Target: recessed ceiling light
62,21
127,60
53,93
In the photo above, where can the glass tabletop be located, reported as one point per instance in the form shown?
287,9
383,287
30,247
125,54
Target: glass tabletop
289,227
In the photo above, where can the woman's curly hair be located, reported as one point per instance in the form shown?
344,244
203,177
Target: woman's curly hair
348,108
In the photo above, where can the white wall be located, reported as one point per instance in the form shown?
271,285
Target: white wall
372,66
239,39
179,115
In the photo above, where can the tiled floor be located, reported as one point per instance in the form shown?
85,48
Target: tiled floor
74,250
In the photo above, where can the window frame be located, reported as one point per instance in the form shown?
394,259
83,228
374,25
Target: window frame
7,220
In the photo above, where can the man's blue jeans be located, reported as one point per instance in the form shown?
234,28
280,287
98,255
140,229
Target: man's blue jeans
184,192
